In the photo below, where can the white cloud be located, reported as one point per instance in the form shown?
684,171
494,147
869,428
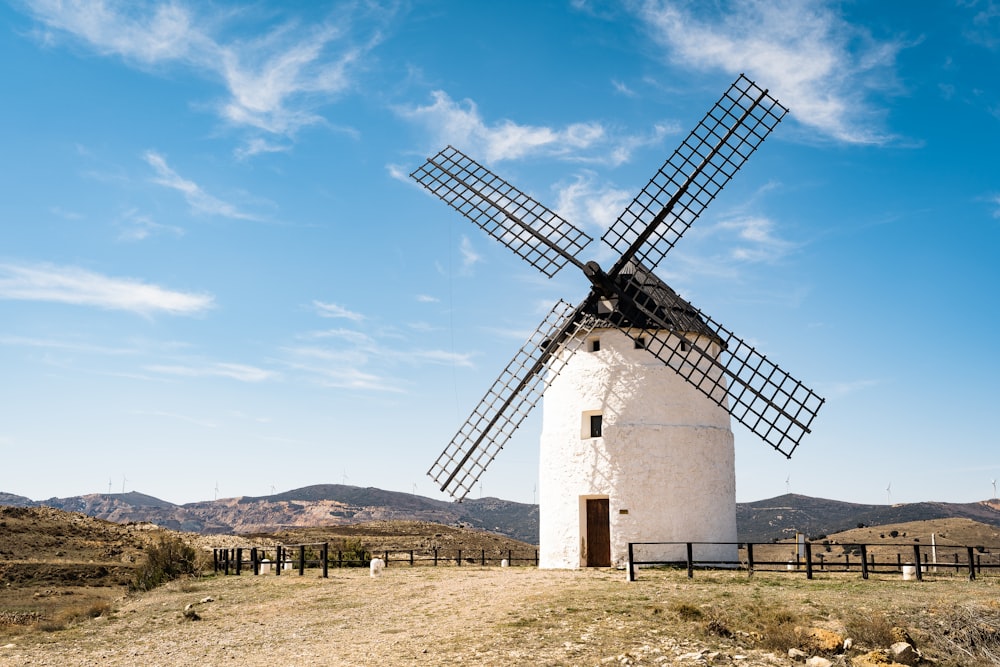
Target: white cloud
469,255
137,226
274,82
199,200
426,298
333,310
810,58
72,285
258,145
240,372
461,124
585,203
756,241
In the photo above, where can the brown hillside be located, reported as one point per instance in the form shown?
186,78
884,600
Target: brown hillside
892,543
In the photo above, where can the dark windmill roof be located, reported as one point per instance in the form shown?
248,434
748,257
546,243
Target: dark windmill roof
644,287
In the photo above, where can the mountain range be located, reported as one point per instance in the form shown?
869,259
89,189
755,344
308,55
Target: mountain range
335,504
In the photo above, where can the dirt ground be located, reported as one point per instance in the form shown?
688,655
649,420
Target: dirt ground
506,616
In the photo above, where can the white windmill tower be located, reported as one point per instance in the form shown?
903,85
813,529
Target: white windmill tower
639,385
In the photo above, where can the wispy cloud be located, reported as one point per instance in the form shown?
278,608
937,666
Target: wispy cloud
333,310
847,388
240,372
461,124
814,61
469,255
274,82
136,226
584,202
73,285
755,240
199,200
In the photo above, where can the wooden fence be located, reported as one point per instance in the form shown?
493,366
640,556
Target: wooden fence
297,557
909,559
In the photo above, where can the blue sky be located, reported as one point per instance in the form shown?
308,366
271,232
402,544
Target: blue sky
216,277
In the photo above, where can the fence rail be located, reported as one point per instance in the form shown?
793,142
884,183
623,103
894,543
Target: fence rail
859,557
292,557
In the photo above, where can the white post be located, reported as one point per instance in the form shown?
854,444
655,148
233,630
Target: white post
933,553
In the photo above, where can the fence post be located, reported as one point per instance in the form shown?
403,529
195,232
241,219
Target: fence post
690,560
864,561
631,567
917,563
972,564
239,560
536,557
750,559
411,557
278,559
326,563
215,561
510,558
254,561
459,558
809,560
435,556
302,559
482,561
226,562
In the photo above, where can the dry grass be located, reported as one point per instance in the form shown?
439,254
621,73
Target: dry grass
472,615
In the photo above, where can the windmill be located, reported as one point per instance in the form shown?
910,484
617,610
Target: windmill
994,483
636,443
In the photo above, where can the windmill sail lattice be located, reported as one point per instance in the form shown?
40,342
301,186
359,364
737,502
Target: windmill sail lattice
510,399
759,394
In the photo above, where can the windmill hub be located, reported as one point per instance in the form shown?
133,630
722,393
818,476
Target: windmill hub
644,455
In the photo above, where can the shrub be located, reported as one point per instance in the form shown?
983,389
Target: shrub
168,559
687,611
353,551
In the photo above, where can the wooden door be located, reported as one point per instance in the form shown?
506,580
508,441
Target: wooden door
598,533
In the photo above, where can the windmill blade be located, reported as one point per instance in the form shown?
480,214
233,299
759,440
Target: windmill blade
510,399
730,372
532,231
691,178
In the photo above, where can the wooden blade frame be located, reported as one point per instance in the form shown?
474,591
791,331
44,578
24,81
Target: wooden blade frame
532,231
734,375
510,399
691,178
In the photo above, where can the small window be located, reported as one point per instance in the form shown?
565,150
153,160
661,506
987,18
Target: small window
640,343
596,424
595,344
684,346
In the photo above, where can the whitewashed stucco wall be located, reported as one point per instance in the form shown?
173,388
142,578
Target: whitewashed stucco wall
666,456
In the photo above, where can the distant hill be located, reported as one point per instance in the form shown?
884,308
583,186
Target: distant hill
320,505
338,505
783,516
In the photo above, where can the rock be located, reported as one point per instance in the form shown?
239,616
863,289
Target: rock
904,653
848,643
207,600
899,634
819,640
877,658
817,661
797,654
